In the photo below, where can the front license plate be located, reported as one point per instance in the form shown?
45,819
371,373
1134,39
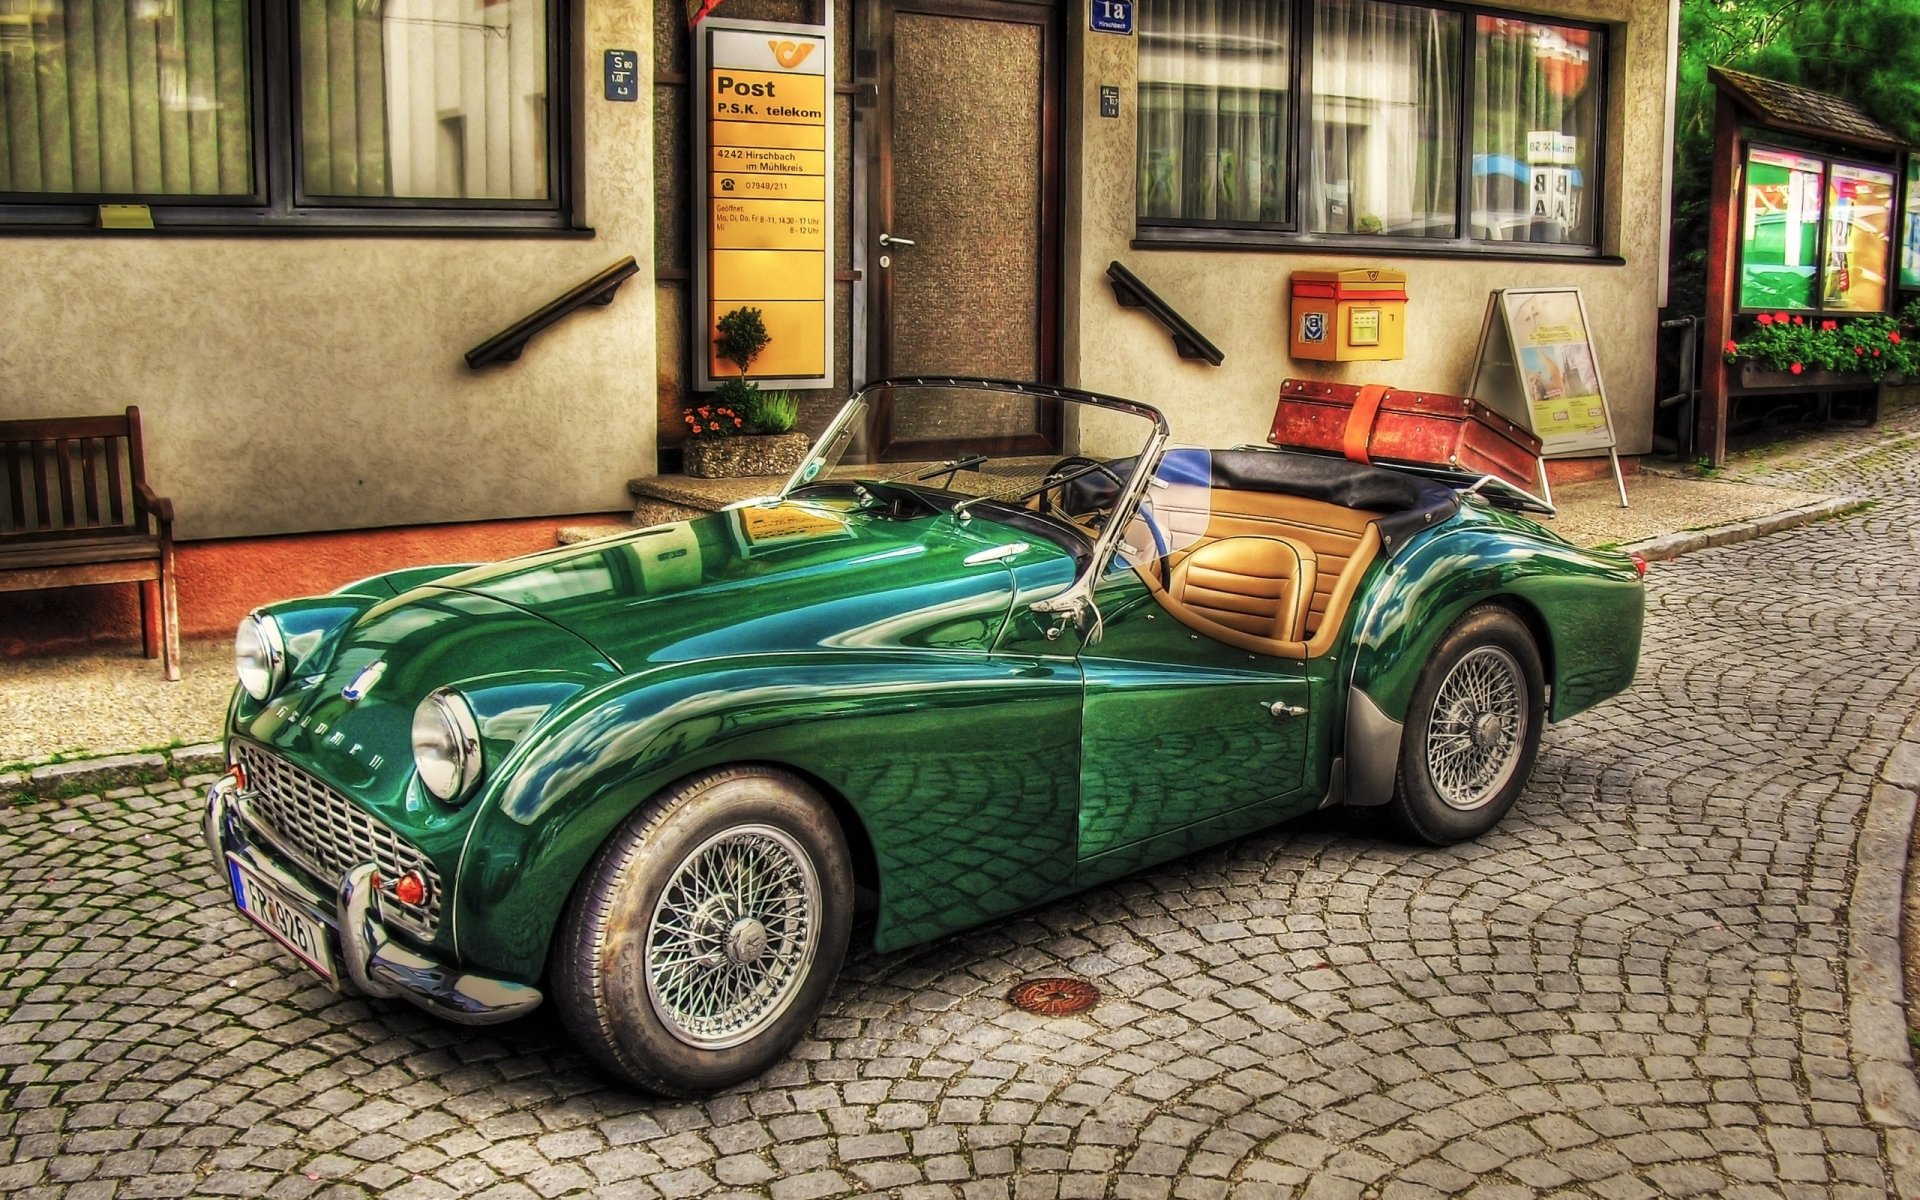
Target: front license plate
308,938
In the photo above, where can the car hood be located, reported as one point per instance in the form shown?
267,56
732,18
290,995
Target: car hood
518,638
771,578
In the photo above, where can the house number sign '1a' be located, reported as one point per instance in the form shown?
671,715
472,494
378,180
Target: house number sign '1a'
1113,16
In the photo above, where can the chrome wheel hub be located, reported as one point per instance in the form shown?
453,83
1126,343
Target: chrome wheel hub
1478,727
746,942
732,936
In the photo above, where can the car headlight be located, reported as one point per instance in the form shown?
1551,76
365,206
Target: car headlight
259,655
446,745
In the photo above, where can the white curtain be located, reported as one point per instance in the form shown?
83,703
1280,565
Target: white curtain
1384,150
1213,110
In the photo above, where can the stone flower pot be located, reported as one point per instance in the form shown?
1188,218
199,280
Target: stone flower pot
744,455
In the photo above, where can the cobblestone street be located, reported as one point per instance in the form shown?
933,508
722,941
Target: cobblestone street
1646,982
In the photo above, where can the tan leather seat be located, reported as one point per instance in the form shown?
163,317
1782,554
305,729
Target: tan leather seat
1260,586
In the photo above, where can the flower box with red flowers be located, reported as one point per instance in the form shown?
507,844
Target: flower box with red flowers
1797,350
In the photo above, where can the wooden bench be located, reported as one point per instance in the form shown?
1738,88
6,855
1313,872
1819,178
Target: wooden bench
76,508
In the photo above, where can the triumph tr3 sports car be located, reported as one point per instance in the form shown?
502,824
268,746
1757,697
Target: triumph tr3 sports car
656,775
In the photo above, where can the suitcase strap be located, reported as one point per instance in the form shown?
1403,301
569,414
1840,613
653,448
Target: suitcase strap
1366,406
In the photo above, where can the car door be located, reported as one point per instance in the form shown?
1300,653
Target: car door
1178,731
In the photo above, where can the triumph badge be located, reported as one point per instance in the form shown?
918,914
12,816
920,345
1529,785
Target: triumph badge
363,682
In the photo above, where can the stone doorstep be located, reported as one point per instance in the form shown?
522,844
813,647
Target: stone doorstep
93,775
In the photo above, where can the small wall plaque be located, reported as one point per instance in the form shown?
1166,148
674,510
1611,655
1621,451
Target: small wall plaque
1109,100
623,75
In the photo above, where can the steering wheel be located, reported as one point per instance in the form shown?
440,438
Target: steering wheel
1073,466
1078,466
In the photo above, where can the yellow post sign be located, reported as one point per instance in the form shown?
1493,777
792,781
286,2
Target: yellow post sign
765,236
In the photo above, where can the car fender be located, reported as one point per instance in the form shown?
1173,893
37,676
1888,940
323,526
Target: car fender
864,725
1583,607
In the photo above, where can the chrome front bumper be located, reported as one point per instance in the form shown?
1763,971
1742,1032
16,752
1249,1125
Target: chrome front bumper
374,963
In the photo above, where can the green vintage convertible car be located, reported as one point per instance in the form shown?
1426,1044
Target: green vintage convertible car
655,776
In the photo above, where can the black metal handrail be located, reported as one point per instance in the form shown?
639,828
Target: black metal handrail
1187,341
506,345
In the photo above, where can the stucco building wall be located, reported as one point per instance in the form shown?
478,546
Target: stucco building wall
295,383
1239,299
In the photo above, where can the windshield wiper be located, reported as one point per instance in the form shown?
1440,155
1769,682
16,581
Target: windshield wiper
951,468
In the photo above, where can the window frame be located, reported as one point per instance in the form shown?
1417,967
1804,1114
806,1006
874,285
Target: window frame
279,203
1199,234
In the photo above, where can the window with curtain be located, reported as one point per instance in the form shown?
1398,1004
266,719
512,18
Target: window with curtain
424,98
1536,124
1384,145
124,97
402,110
1406,121
1214,77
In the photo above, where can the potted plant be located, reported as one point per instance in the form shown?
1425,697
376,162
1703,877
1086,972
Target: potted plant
755,435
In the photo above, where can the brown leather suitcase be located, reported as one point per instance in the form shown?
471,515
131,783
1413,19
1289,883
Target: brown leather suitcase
1371,423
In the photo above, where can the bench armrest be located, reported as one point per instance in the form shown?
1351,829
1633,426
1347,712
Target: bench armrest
159,506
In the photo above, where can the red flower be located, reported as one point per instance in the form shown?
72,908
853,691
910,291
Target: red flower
1829,326
1876,354
1796,368
1797,320
1780,317
1764,319
1733,347
1893,335
1859,349
736,422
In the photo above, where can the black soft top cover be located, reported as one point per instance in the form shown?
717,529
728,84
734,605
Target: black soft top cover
1406,503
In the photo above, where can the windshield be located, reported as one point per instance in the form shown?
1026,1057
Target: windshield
1006,450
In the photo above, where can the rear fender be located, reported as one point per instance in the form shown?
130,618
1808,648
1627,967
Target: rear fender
1584,609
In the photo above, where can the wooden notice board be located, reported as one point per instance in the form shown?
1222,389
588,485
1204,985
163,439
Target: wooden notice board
763,145
1536,367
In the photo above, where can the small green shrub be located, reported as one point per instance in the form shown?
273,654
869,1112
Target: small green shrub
743,335
773,411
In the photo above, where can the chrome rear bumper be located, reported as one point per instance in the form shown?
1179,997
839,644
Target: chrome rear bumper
374,963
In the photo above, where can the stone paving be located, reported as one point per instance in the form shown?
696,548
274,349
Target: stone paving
1639,985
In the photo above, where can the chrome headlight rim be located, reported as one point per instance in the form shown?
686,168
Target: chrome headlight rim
261,668
446,746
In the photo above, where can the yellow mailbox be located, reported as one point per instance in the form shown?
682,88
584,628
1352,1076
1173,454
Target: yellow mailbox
1350,316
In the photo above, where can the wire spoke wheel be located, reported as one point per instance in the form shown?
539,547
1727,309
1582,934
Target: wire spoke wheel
1478,728
732,936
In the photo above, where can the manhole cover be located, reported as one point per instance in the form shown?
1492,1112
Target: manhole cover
1054,997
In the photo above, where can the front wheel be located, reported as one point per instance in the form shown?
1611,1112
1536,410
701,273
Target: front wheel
1472,730
707,932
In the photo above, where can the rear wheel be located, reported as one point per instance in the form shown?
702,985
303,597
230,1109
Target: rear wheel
1473,730
707,932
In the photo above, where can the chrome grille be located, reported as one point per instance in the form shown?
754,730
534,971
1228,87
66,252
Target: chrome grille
329,835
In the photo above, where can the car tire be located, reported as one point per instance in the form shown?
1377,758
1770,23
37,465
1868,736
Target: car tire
1473,730
674,975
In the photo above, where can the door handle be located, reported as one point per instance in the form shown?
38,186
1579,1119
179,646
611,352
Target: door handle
1280,710
887,239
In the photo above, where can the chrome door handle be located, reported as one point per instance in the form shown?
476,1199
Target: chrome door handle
1280,710
887,239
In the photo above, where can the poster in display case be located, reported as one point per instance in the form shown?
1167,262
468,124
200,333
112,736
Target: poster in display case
1859,239
1780,229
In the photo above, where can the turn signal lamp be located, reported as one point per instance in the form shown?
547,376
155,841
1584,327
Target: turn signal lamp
410,889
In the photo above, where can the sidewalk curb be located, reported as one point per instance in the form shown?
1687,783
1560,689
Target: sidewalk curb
1672,545
86,775
1877,1010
